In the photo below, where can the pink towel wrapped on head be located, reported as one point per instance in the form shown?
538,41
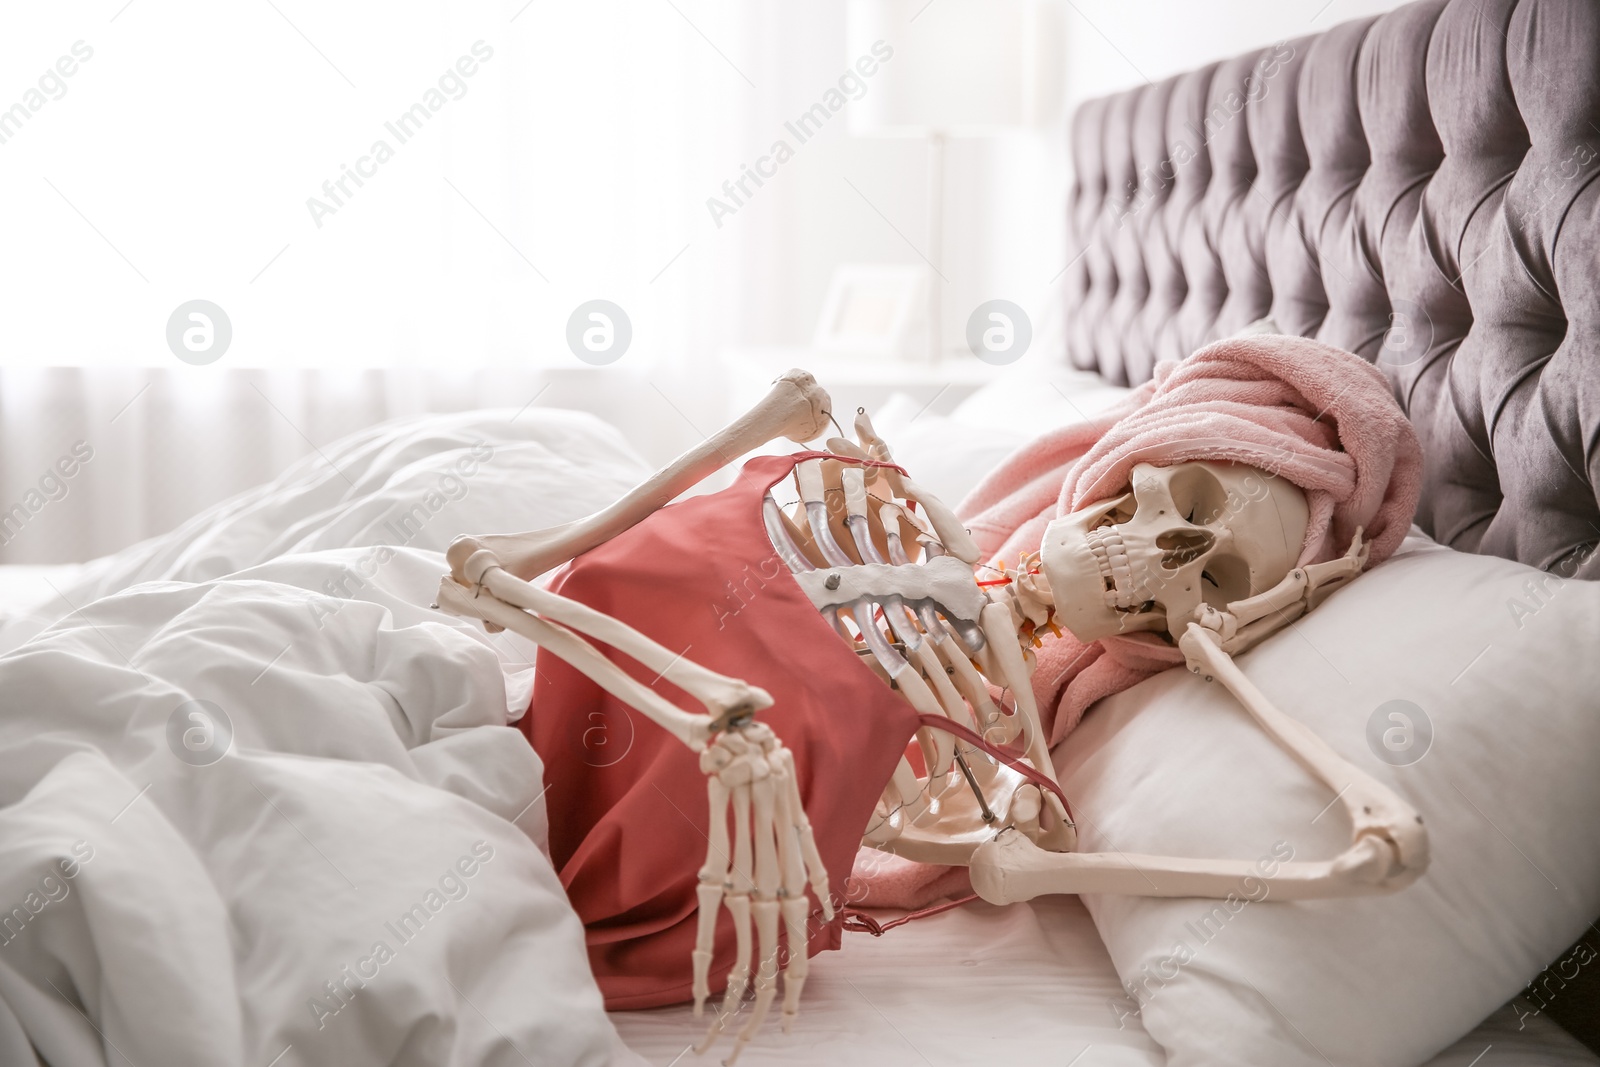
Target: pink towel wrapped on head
1315,415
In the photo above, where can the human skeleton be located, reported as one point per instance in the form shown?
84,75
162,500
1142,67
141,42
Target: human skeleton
1202,552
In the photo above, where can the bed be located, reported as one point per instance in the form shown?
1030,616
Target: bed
1029,983
1393,186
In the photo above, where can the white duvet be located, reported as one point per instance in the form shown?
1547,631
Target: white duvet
257,802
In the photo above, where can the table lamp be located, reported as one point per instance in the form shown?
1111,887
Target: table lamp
960,68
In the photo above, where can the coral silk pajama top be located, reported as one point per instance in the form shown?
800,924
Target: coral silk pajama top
627,801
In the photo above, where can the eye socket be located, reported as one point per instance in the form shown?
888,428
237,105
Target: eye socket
1117,512
1199,496
1225,580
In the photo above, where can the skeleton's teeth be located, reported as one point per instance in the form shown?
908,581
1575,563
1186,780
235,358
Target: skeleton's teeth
1111,556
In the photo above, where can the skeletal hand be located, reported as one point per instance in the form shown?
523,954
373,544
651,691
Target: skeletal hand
772,856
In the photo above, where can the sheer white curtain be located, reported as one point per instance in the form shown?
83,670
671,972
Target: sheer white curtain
100,457
519,159
533,156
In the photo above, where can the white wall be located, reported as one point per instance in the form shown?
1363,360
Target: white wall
1112,45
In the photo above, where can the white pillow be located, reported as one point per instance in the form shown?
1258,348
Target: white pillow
947,455
1028,401
950,454
1497,663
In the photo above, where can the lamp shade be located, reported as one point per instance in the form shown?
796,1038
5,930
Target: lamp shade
959,67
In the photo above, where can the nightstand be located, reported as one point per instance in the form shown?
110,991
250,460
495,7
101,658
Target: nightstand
855,382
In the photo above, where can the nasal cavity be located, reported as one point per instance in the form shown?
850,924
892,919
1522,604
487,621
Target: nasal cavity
1179,547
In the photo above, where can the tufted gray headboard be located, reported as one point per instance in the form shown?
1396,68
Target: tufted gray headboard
1419,188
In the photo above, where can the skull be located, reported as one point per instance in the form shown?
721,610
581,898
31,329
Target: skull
1191,534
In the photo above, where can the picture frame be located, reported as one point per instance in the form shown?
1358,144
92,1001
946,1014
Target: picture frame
873,310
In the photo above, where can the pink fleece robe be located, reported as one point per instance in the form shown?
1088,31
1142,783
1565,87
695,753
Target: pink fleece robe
1316,415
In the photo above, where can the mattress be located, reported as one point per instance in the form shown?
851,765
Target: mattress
1020,985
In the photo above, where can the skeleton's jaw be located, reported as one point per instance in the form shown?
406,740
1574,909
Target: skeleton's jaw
1096,592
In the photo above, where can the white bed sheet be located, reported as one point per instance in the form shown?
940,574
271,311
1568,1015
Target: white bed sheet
1030,984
